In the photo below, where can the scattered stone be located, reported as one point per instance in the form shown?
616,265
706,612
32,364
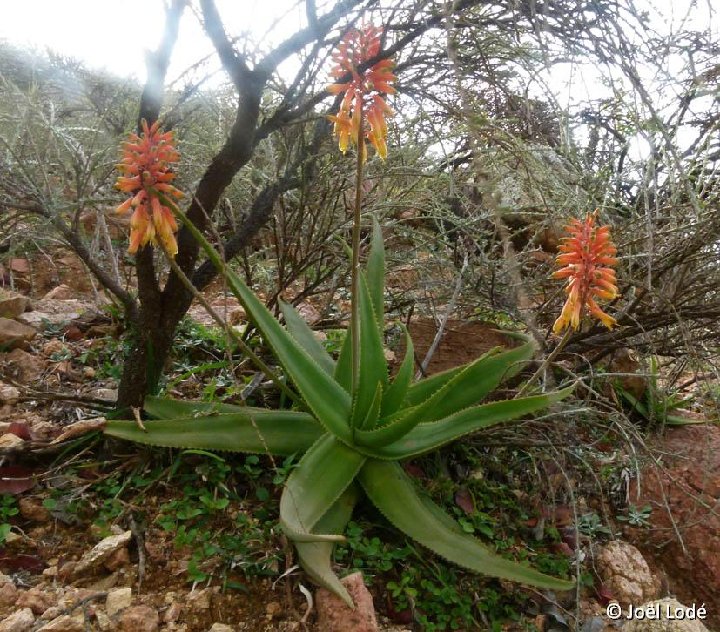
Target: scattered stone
8,394
139,619
626,574
104,623
51,347
24,366
36,599
65,623
8,594
118,600
14,333
221,627
11,441
680,495
173,613
18,621
109,394
32,509
668,616
88,372
60,293
200,599
102,551
50,571
12,304
273,610
334,615
120,558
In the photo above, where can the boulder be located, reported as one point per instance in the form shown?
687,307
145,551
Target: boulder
60,293
139,619
12,304
683,495
626,574
19,621
24,367
335,616
14,333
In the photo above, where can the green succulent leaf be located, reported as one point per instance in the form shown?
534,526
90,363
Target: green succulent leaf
324,396
374,410
343,367
305,337
396,393
477,380
322,475
376,273
168,408
394,494
316,557
254,430
373,365
425,437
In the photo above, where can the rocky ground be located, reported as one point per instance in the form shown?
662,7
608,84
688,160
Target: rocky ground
60,573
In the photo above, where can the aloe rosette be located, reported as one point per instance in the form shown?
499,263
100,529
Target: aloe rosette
352,439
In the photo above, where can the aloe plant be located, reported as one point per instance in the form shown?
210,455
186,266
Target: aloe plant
357,423
354,438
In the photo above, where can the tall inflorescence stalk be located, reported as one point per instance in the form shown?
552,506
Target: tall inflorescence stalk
361,118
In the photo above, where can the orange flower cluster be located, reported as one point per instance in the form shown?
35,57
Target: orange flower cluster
363,93
587,257
145,167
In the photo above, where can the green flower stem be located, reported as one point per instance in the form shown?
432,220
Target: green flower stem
215,258
355,279
543,367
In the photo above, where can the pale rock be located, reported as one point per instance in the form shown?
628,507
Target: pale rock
139,619
102,551
110,394
104,622
626,574
13,333
200,599
272,610
60,293
117,600
54,312
8,594
36,599
663,623
12,304
173,613
50,571
51,613
19,621
23,366
65,623
334,615
32,509
8,394
221,627
11,441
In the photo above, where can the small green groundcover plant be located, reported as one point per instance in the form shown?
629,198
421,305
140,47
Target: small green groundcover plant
352,423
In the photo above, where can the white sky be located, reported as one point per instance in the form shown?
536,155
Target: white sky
115,34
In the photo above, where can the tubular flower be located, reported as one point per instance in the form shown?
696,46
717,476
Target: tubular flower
587,258
363,94
145,164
